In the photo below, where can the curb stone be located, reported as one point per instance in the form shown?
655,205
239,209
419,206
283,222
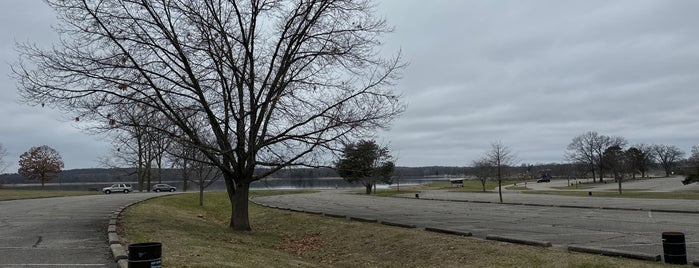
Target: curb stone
530,242
396,224
615,253
334,215
447,231
360,219
113,239
119,252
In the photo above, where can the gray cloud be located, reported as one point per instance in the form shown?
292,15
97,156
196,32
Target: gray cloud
532,74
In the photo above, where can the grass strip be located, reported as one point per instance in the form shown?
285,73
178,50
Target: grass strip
12,194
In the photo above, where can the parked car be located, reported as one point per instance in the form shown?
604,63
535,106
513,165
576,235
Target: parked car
545,179
118,187
163,188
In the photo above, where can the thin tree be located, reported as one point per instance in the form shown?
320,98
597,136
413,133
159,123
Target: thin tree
365,162
500,157
667,156
482,169
582,150
643,159
616,161
693,161
278,83
41,163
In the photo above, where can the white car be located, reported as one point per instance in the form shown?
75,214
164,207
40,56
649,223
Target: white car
118,187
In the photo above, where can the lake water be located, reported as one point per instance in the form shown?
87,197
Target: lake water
270,183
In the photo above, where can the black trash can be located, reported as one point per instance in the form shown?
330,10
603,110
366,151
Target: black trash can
674,250
145,255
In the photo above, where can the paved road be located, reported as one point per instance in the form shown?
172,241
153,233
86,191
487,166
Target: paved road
59,232
634,231
662,184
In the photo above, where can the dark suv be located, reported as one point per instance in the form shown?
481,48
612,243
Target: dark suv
163,188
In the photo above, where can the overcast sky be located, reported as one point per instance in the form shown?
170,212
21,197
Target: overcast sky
531,74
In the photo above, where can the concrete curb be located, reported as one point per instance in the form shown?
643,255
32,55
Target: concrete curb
313,212
115,241
113,238
397,224
119,252
331,215
523,241
447,231
360,219
615,253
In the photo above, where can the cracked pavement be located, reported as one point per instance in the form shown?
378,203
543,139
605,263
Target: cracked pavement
59,232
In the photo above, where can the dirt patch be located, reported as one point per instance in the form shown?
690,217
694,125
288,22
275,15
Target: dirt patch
299,245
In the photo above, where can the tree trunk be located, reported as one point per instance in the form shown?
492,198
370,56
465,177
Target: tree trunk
201,193
185,177
368,188
619,180
239,207
500,189
594,179
483,184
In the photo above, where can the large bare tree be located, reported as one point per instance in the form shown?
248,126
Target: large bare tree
277,83
588,149
499,156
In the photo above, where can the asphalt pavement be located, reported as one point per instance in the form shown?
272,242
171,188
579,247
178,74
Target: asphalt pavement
59,232
615,224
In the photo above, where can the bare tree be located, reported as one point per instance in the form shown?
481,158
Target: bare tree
694,155
205,176
3,162
667,156
582,150
499,156
482,169
278,83
41,163
588,150
617,162
644,160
